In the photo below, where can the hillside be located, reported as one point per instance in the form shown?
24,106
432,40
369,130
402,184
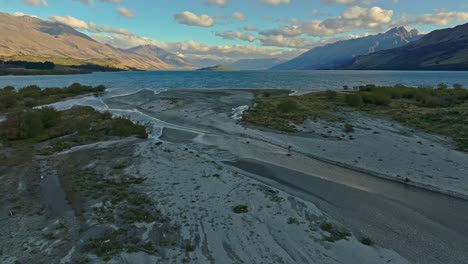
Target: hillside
343,52
217,68
32,39
255,64
445,49
152,52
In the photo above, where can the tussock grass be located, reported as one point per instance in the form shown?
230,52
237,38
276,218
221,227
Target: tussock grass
438,110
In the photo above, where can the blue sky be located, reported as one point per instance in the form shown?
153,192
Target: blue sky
224,28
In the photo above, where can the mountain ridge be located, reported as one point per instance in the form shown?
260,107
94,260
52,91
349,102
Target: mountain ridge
443,49
26,37
155,52
255,64
337,54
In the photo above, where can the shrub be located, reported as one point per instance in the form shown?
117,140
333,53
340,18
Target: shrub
328,227
345,87
457,86
22,125
240,209
353,99
8,88
331,94
367,241
49,117
189,248
32,91
348,128
8,99
367,88
293,221
376,99
433,102
288,106
381,99
442,86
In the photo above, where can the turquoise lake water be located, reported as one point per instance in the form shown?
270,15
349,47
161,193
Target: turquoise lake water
120,82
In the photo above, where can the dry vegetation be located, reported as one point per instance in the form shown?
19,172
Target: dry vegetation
440,110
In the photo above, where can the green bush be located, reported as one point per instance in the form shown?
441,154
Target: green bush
380,99
331,94
32,91
49,117
22,125
240,209
442,86
288,106
348,128
367,88
367,241
8,99
354,100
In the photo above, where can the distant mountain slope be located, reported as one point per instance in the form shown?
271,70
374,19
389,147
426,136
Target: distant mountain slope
445,49
216,68
156,53
255,64
343,52
31,38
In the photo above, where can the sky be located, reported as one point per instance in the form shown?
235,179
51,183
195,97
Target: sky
232,29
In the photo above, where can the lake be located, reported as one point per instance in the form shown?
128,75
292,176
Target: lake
125,82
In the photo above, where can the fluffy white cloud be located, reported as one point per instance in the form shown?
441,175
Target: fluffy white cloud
193,50
442,18
233,35
282,41
21,14
112,1
90,2
275,2
92,27
123,41
251,28
239,16
339,2
216,2
191,19
126,12
36,2
289,30
70,21
354,18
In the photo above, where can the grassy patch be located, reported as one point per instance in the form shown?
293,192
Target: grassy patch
74,127
240,209
120,205
367,241
12,100
280,112
348,128
439,110
334,234
293,221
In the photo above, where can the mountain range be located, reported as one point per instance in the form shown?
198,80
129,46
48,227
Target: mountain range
445,49
255,64
32,39
152,52
25,38
344,52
